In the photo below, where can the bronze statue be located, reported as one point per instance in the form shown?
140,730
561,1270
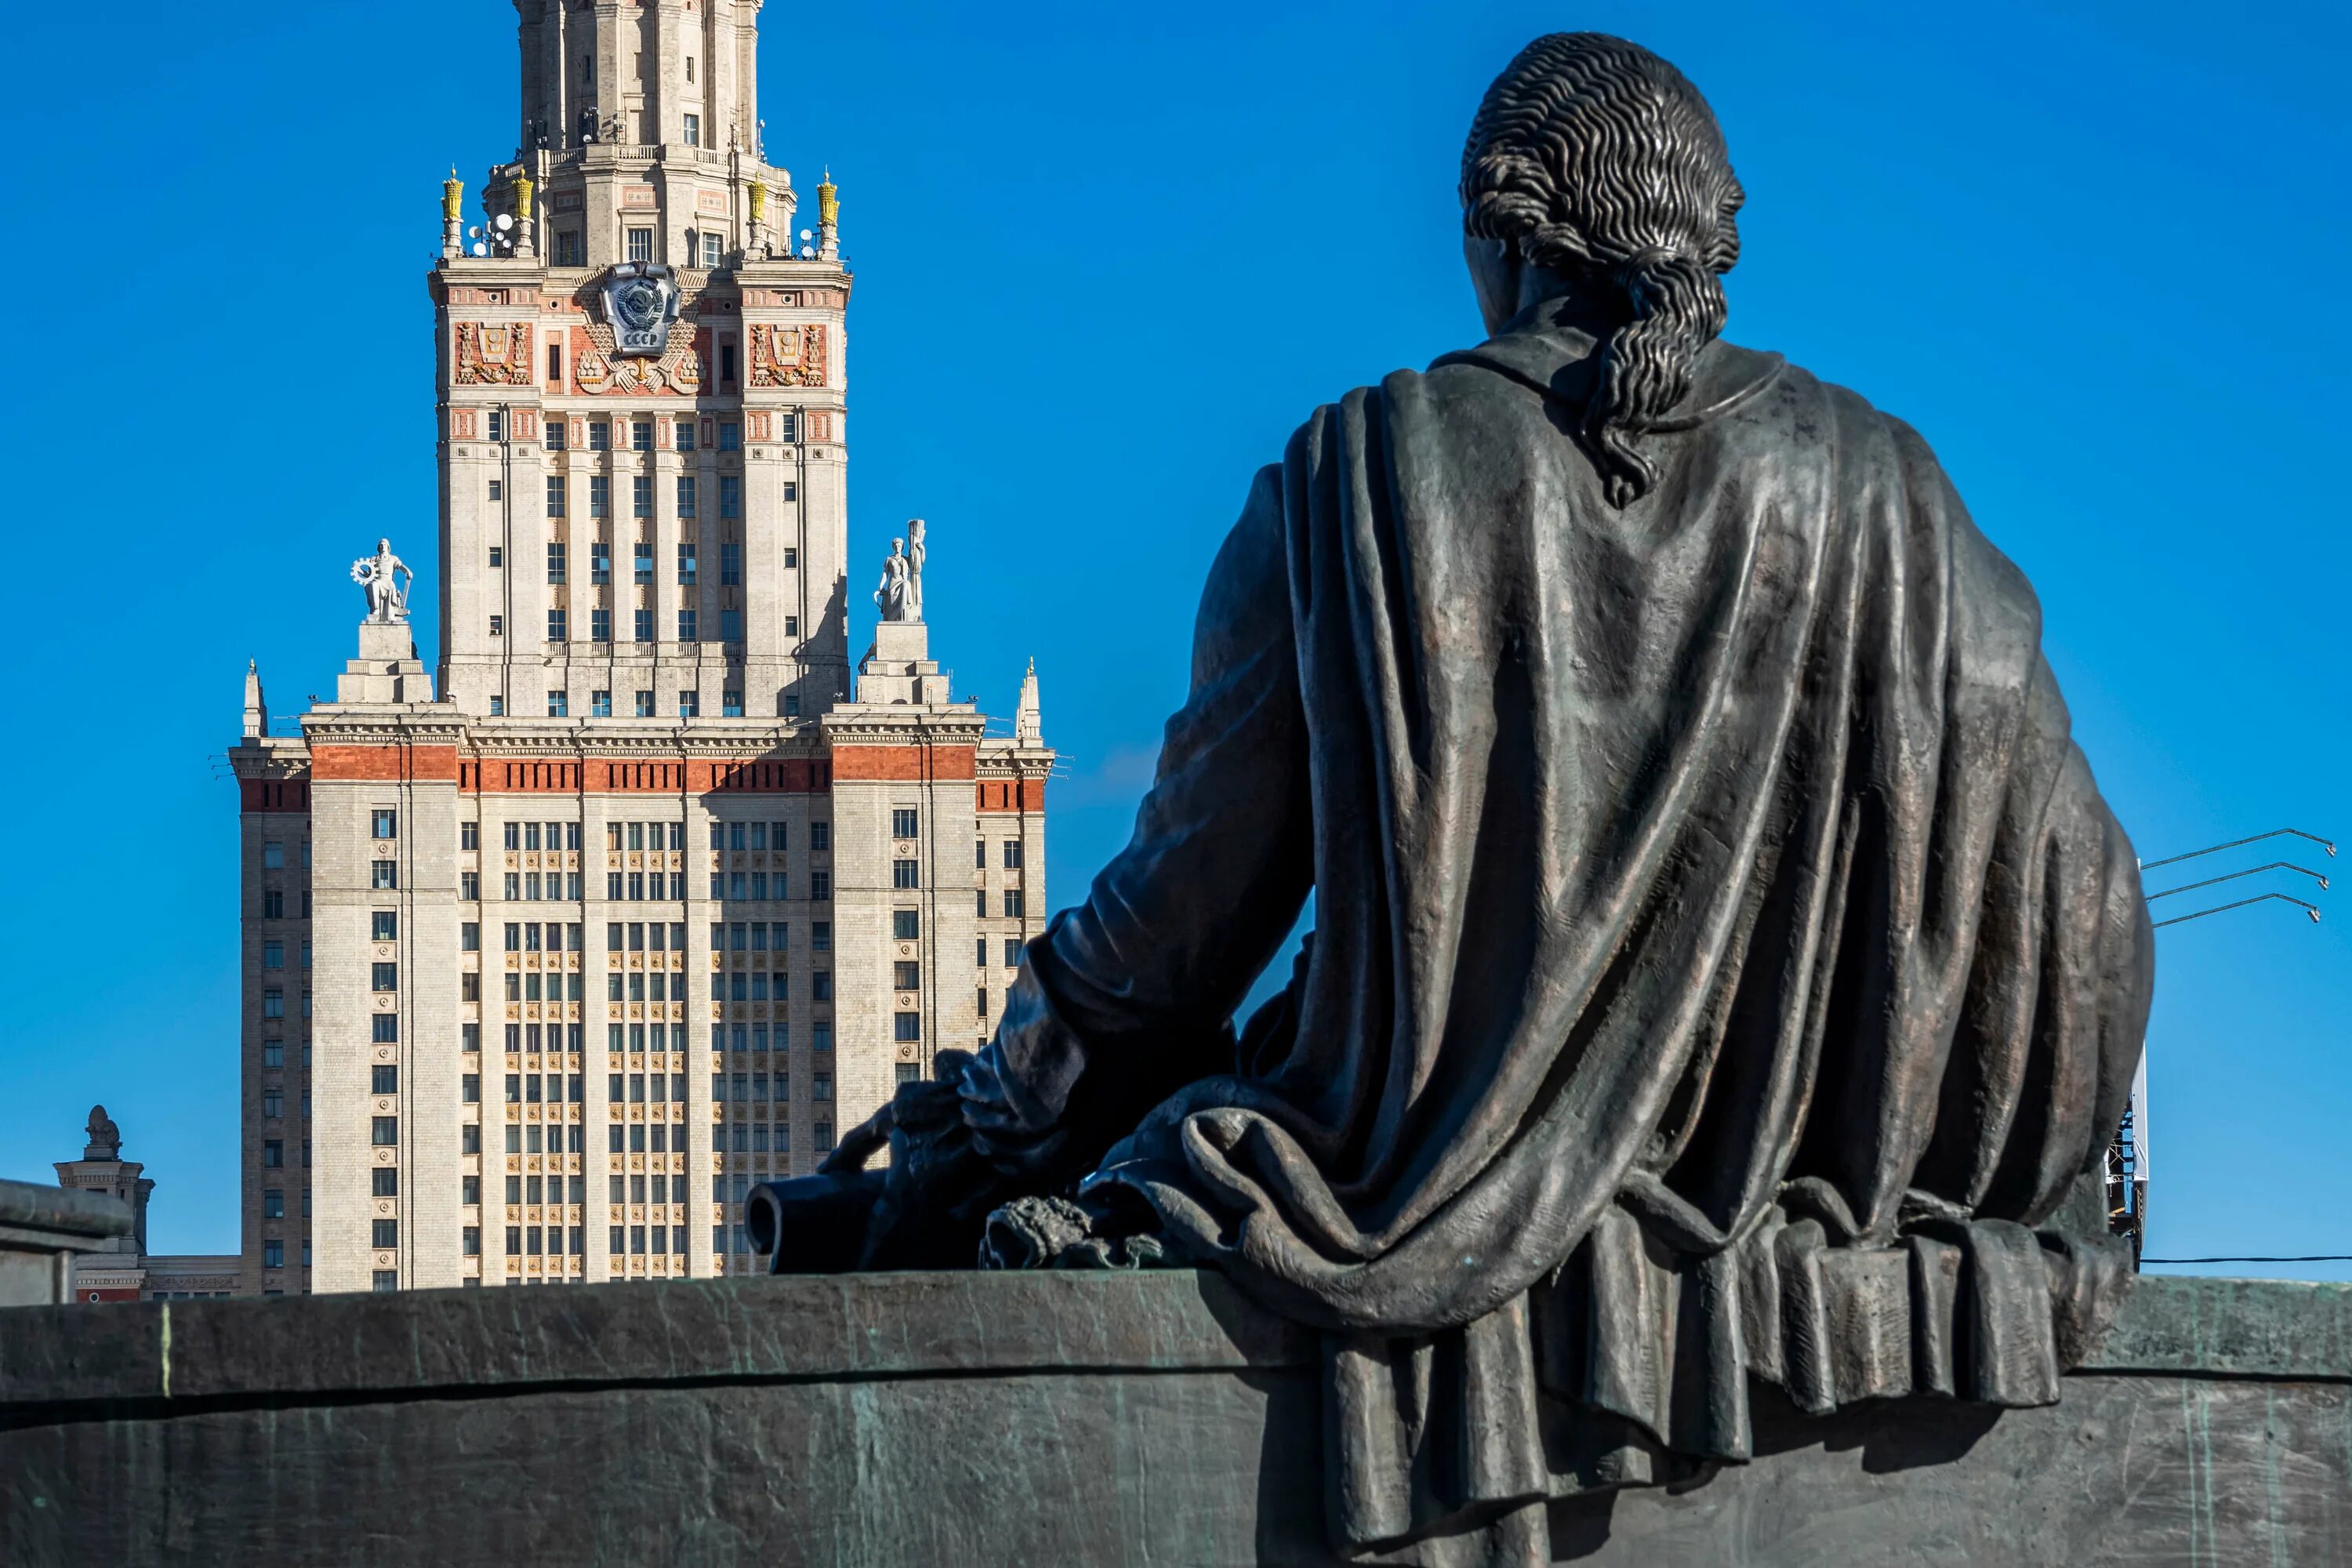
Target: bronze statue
1725,966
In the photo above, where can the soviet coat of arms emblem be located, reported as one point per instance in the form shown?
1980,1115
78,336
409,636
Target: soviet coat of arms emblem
640,302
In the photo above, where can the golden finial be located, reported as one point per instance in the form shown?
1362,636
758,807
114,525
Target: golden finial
829,201
453,195
522,189
758,201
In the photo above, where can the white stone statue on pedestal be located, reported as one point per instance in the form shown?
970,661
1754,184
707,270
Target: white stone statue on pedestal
387,600
892,596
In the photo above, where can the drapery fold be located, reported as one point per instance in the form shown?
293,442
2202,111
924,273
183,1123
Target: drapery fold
1724,963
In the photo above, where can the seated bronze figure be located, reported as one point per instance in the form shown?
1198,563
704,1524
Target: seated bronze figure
1723,965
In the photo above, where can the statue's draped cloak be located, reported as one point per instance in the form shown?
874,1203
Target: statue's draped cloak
1723,962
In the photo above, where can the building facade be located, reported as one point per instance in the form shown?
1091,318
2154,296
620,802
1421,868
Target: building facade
650,894
122,1269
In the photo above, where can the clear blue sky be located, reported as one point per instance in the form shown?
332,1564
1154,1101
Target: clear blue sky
1106,261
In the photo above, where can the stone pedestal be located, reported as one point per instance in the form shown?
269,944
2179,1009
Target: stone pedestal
387,670
867,1420
898,670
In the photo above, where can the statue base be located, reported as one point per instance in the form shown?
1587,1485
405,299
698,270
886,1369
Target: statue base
387,670
1056,1418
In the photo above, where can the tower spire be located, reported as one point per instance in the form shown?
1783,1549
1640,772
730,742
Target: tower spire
257,712
1028,718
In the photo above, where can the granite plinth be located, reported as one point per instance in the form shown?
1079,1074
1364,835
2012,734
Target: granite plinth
969,1418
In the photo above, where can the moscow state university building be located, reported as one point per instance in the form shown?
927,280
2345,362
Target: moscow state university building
643,894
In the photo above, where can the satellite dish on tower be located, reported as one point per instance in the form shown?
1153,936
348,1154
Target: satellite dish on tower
504,223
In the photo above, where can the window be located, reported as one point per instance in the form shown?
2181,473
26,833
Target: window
556,627
906,874
600,625
641,497
644,627
641,245
385,976
273,1103
273,1003
273,1153
820,885
497,630
273,856
686,564
792,704
820,1086
641,435
1013,854
1012,903
821,985
600,705
471,1240
273,1204
600,436
982,1002
273,1053
730,486
470,884
730,565
273,1254
569,252
555,372
273,955
642,562
1012,951
980,853
384,874
980,900
384,824
496,490
713,253
383,925
555,562
905,1026
902,822
691,131
385,1130
600,562
384,1028
820,836
497,557
731,704
792,557
686,625
600,489
685,494
554,481
731,432
497,419
497,704
386,1233
685,435
689,703
644,700
906,974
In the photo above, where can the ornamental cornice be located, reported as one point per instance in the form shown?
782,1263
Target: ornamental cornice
1030,762
883,733
335,729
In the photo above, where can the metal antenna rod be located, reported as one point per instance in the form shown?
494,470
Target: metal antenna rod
2310,909
2234,875
2240,843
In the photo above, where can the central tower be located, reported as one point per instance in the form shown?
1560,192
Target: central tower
644,481
544,967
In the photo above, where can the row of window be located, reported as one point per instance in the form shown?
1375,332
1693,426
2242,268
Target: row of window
639,432
689,704
669,936
687,491
600,560
641,628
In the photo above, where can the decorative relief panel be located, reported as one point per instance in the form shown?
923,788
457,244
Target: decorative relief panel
785,355
598,370
493,355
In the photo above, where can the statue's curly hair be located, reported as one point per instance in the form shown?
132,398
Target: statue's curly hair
1598,159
